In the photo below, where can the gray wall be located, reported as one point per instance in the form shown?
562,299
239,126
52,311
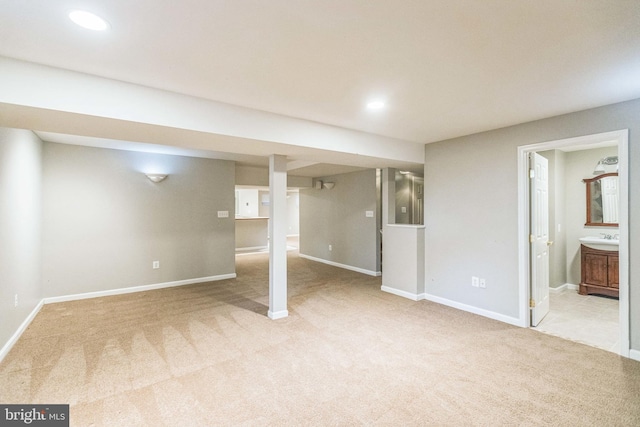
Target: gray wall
478,235
106,222
337,217
20,227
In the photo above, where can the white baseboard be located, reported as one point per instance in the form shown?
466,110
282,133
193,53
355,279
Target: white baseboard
404,294
561,288
475,310
278,314
634,354
18,333
347,267
133,289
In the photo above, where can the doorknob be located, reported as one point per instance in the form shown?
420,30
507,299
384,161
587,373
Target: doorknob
550,242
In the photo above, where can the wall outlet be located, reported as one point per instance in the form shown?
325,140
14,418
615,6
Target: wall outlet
156,265
15,300
483,283
475,281
330,247
403,209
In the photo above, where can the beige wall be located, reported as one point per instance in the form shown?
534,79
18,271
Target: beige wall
20,227
478,234
106,222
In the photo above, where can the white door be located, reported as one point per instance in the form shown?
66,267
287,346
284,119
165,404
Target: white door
539,174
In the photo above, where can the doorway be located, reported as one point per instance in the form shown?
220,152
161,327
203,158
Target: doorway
252,219
565,294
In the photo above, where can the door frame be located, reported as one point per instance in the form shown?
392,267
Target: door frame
524,265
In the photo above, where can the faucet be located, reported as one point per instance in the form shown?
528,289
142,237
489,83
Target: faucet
607,236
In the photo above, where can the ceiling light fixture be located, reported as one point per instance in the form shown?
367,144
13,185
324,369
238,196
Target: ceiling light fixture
375,105
88,20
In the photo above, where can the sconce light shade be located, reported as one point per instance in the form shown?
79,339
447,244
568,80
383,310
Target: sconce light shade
599,169
609,161
156,177
328,185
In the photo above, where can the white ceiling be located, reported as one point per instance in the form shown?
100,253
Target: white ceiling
445,67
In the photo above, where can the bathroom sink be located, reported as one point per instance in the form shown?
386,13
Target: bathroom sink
601,243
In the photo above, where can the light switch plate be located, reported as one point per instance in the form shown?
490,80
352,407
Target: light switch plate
223,214
368,214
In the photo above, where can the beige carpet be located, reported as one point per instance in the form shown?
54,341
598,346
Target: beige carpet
348,354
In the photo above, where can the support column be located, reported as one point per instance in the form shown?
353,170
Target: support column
277,237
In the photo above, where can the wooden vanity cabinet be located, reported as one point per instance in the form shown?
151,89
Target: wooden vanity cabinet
599,272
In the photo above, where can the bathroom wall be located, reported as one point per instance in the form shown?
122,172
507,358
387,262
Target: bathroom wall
580,165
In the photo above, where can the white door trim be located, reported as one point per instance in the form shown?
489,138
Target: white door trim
622,137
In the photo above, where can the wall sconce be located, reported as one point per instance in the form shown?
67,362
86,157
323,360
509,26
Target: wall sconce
156,177
611,160
328,185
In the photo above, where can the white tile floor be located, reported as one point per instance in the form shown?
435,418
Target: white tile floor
588,319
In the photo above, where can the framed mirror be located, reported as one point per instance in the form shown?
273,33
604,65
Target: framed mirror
602,200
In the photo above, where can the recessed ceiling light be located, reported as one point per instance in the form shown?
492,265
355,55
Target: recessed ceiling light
88,20
375,105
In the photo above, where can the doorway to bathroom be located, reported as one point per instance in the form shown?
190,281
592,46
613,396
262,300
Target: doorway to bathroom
550,285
